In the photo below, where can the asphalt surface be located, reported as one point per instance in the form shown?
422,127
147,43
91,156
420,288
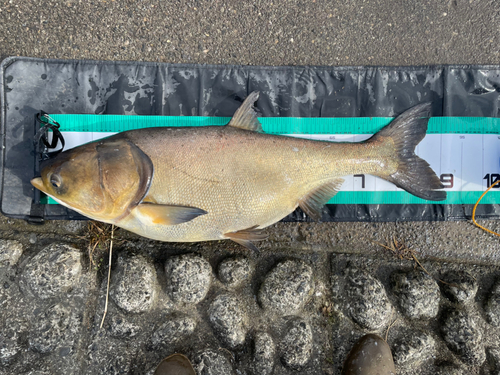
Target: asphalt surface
315,32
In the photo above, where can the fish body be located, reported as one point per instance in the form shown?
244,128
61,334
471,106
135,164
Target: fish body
226,182
241,178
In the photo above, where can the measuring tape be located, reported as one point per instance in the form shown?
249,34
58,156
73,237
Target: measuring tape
463,151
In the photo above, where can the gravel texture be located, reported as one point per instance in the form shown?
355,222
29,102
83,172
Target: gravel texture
297,345
54,270
134,284
460,287
234,271
317,33
287,287
228,319
462,334
418,294
188,278
367,302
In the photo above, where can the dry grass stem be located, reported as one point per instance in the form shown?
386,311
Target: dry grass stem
390,325
403,252
109,275
98,237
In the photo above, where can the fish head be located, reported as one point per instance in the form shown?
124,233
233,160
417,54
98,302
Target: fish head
102,180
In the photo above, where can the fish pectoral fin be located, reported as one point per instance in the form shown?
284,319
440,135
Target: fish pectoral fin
168,215
312,203
246,236
245,117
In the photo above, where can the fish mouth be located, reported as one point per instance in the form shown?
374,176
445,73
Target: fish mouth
38,183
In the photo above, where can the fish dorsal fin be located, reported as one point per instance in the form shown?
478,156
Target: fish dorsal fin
245,117
246,236
312,203
164,214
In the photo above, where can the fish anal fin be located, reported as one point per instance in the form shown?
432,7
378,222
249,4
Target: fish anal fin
312,203
163,214
245,117
246,236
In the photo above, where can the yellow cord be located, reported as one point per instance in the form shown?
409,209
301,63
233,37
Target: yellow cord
475,206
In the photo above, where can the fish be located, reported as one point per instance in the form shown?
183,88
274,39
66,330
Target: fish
190,184
175,364
370,355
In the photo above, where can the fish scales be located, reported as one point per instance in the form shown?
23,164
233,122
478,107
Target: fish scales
243,178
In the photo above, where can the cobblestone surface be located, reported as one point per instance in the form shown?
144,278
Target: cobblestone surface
53,271
264,354
418,294
10,252
460,287
287,287
284,316
134,284
234,271
228,319
366,302
175,329
463,335
414,347
297,345
188,278
492,306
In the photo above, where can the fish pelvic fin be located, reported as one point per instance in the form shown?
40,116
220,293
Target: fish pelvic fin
246,236
312,203
245,117
413,173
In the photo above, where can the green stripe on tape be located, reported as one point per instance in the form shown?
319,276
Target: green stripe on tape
393,197
402,197
294,125
276,125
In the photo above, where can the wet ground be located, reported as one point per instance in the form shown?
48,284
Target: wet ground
334,282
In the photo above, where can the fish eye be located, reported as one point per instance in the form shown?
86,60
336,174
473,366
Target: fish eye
55,180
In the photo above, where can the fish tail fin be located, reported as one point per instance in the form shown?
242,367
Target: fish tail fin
413,173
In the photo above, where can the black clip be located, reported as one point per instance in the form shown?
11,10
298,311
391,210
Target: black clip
44,123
